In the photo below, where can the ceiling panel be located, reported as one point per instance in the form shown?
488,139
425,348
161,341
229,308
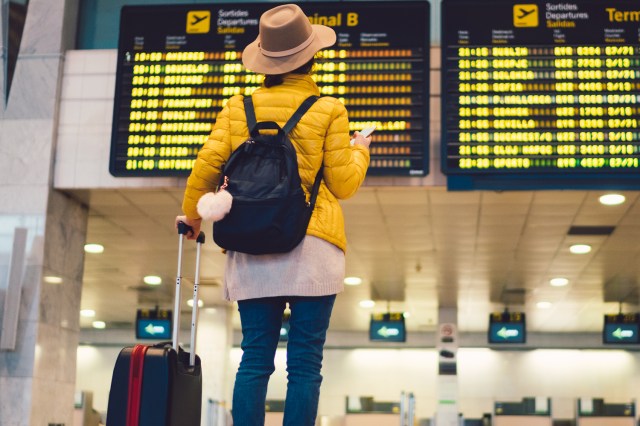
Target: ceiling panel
429,247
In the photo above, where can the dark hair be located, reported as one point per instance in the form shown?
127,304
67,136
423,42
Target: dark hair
271,80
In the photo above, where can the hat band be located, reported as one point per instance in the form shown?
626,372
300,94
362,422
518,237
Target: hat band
288,52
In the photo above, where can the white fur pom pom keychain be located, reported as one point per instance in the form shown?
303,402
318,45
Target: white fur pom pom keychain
215,206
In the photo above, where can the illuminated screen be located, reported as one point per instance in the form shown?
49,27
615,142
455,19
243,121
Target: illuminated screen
621,329
387,328
153,324
507,327
544,92
177,66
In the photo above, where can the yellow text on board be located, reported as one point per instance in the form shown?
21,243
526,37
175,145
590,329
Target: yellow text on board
350,19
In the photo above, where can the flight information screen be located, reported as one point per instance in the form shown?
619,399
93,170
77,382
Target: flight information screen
177,66
541,88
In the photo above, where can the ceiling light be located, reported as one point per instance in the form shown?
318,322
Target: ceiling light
353,281
87,313
367,304
152,280
200,303
543,305
558,282
52,280
93,248
99,324
612,199
580,248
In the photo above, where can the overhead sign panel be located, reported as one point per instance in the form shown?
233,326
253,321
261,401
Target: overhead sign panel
507,327
153,324
541,94
176,71
388,327
621,329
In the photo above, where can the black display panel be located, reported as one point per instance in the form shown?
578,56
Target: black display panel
507,327
389,327
621,329
541,94
177,66
153,324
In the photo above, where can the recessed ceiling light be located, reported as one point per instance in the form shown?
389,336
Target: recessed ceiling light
612,199
87,313
367,304
93,248
558,282
580,248
99,324
353,281
544,305
52,279
200,303
152,280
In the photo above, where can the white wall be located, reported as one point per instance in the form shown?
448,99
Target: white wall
484,376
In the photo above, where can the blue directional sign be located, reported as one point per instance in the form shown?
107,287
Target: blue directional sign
153,324
621,329
507,327
389,327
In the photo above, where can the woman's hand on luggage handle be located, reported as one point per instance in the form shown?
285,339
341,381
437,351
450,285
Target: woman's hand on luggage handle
193,223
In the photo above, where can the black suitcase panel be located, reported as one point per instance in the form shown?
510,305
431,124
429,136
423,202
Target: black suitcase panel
171,390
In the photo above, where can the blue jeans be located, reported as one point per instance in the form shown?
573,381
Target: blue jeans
261,321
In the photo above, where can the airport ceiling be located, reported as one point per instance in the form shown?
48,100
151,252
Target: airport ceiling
416,249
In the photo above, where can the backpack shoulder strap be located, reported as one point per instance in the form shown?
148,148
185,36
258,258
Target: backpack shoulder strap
302,109
250,113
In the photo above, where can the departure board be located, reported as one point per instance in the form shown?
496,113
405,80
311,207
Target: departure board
178,65
544,90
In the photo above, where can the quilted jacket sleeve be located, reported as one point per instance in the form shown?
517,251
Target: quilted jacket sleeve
345,166
206,171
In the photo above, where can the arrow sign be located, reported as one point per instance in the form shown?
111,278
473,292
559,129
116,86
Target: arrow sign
506,333
622,334
388,332
154,329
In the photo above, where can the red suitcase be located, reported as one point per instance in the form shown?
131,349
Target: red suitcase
157,385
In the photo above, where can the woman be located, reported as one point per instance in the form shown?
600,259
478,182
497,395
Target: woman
309,277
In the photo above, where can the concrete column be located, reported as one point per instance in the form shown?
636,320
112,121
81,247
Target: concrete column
37,375
447,382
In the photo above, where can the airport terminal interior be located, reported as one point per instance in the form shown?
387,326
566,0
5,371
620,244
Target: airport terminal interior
492,265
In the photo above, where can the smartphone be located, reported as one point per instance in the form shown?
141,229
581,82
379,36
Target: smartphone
367,131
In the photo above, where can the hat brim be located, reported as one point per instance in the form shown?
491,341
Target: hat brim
255,61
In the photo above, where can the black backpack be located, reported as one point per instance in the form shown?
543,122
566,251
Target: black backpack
269,213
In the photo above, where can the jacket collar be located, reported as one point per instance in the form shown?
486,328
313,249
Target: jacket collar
301,81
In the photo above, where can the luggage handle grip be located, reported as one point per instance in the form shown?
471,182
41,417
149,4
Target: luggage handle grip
200,239
184,229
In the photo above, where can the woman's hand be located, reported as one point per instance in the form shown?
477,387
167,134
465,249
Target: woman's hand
193,223
358,139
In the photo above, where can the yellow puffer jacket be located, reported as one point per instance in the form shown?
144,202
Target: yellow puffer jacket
321,137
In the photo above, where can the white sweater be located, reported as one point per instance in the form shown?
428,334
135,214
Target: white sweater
314,268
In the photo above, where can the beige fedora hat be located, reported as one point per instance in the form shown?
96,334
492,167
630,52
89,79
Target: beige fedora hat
286,41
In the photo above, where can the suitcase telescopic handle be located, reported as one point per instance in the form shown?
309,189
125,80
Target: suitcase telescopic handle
183,229
194,312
